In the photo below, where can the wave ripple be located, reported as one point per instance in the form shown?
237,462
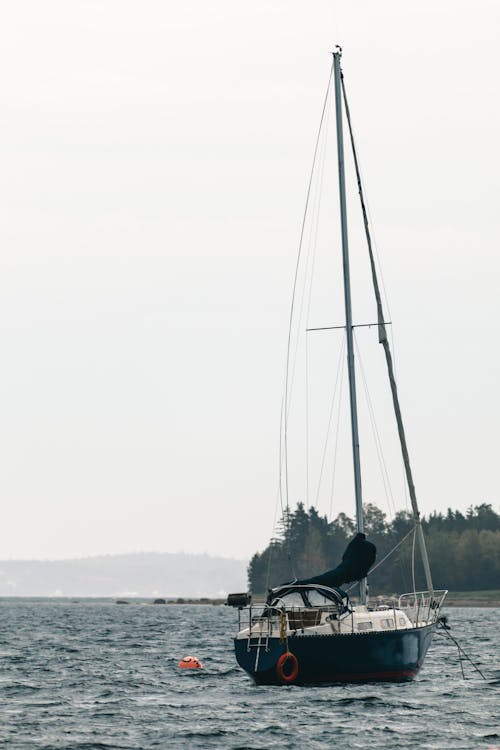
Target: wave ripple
89,675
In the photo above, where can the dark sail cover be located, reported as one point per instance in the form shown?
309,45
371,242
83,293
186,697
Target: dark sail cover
357,560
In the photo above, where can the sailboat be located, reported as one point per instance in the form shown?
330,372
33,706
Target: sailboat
309,631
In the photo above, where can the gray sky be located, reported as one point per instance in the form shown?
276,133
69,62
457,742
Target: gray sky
154,161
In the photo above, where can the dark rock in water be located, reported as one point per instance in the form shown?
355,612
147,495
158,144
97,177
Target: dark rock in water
121,601
159,601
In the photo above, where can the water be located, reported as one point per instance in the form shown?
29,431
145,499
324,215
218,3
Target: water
91,674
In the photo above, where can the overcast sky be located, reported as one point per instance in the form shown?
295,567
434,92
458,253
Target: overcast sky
154,159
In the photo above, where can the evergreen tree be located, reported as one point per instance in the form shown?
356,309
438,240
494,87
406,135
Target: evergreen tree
464,550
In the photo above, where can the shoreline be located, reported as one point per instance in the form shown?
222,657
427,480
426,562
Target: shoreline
452,601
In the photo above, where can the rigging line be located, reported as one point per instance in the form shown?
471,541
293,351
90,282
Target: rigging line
336,442
307,420
375,247
359,173
356,325
313,242
270,557
268,571
413,562
279,496
284,516
289,387
461,651
314,224
392,550
372,570
339,367
283,455
280,485
389,362
372,245
292,305
379,266
376,438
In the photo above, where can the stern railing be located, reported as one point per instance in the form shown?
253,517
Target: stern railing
267,621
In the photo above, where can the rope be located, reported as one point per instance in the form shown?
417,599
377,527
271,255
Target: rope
413,562
284,516
461,652
307,417
376,438
294,290
283,441
313,241
392,550
337,428
339,370
389,362
283,631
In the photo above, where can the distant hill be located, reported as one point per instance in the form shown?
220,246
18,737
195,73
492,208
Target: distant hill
141,574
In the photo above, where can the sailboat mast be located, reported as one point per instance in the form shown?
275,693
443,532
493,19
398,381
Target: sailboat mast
348,311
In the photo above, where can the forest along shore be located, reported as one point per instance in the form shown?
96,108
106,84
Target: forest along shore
463,549
454,599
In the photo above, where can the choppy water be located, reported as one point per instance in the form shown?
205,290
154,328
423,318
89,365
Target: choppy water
87,674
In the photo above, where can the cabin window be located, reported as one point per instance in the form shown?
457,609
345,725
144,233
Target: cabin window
387,623
317,599
365,625
402,621
293,599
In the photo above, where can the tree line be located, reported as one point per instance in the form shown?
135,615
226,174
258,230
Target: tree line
464,549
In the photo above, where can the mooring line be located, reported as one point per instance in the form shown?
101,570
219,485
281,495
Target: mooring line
443,623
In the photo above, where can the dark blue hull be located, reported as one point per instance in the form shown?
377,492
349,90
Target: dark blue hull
351,657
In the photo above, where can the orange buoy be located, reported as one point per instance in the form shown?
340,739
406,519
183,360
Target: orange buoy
190,662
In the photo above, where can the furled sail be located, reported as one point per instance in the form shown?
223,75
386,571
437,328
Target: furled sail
357,560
